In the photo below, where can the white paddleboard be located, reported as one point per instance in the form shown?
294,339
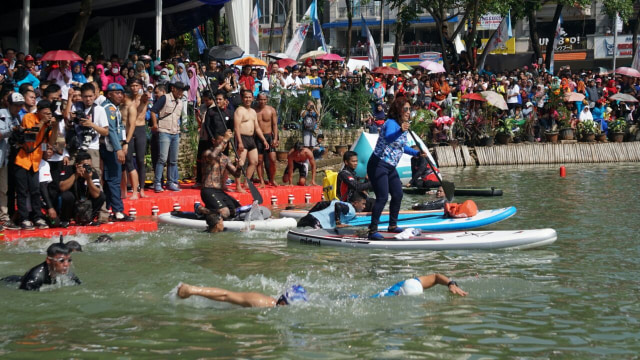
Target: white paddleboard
260,225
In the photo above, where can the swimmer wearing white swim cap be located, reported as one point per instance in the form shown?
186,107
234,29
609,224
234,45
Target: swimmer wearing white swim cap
416,285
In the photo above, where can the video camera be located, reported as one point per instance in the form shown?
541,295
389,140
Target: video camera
78,115
21,136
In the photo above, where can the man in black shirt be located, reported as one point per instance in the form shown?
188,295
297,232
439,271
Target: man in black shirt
56,266
348,183
80,181
214,121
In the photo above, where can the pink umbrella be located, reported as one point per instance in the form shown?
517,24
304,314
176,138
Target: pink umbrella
330,57
433,66
61,55
286,62
573,96
627,71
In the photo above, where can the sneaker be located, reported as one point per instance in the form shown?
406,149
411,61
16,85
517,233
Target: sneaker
173,187
396,229
158,188
10,225
27,225
119,216
375,236
41,224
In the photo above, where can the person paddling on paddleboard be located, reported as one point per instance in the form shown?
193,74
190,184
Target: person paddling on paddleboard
297,293
381,169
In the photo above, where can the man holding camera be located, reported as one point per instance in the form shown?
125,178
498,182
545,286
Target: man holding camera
80,184
36,129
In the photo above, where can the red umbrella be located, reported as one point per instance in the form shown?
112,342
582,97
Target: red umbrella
474,96
385,70
60,55
286,62
330,57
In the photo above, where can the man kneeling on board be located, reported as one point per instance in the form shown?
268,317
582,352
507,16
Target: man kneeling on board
297,293
215,168
422,176
329,214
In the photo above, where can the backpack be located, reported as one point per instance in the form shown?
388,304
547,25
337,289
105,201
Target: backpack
309,123
329,185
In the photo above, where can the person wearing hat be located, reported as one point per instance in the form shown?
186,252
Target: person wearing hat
112,153
22,75
38,128
10,119
165,121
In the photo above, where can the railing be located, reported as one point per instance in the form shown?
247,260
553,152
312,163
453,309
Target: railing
367,11
404,49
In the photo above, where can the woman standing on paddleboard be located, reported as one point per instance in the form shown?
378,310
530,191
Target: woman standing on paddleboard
381,169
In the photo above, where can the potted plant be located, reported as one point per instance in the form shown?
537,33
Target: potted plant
564,124
588,130
617,129
504,131
527,133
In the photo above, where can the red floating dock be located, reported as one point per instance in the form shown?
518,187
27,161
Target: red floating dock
188,196
140,225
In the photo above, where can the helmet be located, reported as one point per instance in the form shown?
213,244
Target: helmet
411,287
293,294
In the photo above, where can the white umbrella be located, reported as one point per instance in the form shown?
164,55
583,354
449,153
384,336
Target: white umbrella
276,55
432,66
495,99
312,54
623,97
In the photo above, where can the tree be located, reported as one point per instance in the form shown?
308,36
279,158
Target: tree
442,11
406,12
81,24
624,8
285,29
349,26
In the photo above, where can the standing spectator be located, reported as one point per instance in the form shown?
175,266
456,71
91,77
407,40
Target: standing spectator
62,76
309,124
315,84
9,120
23,76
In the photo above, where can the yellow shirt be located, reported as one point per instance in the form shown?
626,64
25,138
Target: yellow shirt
31,160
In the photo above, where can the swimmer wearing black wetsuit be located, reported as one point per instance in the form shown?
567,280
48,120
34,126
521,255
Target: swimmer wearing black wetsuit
57,263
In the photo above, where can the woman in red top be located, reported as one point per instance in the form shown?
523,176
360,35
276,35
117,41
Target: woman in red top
246,81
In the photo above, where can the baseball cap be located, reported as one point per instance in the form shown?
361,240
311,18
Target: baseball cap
115,87
29,58
16,99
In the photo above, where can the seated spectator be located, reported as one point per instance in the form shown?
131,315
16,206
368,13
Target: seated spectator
319,149
81,194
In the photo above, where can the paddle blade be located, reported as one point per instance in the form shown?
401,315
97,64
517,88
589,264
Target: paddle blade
449,190
254,192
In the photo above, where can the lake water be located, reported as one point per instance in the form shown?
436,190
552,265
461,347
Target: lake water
577,298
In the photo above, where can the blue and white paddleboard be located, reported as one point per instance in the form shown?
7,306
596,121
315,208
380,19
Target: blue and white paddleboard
437,222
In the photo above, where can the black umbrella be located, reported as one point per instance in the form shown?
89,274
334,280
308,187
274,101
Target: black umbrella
225,52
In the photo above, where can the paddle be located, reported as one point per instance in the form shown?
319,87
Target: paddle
252,188
447,186
439,214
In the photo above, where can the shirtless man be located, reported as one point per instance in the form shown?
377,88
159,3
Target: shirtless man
138,143
129,116
268,121
247,131
297,160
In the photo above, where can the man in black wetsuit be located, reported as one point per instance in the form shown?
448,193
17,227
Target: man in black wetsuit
348,183
56,265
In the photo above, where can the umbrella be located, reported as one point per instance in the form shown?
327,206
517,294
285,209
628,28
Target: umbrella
286,62
225,52
354,64
602,71
623,97
277,55
433,66
250,61
474,96
627,71
313,54
61,55
495,99
573,96
385,70
400,66
330,57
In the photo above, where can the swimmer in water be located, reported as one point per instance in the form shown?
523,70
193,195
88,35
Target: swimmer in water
245,299
295,293
56,264
104,238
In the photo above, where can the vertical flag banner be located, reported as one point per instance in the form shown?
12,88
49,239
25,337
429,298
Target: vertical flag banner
373,52
202,46
500,37
557,36
317,28
636,59
293,49
254,40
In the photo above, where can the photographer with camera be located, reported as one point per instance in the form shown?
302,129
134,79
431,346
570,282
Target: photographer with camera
80,190
9,120
86,123
35,130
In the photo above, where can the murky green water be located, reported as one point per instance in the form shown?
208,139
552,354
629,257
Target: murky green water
575,299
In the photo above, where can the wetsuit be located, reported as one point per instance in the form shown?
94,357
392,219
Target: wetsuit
348,183
323,215
38,276
393,290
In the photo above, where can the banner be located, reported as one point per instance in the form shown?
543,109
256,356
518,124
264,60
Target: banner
489,22
202,46
293,49
317,28
254,27
373,52
556,39
501,35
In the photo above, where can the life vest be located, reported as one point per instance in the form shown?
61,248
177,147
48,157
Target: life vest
431,175
464,210
329,185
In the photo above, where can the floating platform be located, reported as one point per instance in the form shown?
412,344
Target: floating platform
140,225
188,196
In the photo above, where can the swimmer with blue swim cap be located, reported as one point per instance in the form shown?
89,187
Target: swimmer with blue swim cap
293,294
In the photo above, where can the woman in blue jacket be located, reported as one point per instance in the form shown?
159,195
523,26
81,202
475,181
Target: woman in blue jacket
381,169
23,75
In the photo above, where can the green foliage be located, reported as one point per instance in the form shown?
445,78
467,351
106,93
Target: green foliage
587,127
505,126
624,8
421,123
290,106
618,125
